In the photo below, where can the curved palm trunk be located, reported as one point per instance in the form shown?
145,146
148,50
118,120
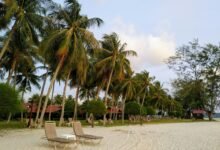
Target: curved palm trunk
64,100
51,101
41,96
22,99
8,82
50,88
76,102
11,71
106,92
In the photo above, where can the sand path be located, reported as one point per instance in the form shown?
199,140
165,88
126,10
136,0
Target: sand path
176,136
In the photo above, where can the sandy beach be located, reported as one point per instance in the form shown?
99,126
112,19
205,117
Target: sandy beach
175,136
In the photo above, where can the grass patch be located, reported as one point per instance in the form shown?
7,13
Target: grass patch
154,121
12,125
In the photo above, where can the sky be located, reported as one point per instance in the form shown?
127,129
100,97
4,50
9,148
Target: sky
154,29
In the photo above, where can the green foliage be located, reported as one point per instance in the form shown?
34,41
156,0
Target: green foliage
132,108
96,107
69,105
151,111
177,114
143,111
12,125
9,99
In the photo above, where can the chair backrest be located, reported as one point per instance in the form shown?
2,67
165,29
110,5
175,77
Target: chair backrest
77,128
50,130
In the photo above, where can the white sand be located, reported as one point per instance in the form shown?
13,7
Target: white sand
175,136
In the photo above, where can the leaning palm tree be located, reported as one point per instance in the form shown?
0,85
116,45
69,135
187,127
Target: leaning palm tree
68,42
113,56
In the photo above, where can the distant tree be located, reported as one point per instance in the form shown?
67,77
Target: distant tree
96,107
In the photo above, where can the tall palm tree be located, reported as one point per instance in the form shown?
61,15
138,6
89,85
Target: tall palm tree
68,43
113,55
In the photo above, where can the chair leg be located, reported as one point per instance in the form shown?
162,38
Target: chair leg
55,146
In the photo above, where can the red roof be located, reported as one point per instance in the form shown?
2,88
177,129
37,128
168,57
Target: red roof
50,108
198,111
114,110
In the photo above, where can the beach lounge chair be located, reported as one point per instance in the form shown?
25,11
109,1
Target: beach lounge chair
77,128
51,135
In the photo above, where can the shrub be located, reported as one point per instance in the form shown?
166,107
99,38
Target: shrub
96,107
9,99
69,105
132,108
151,111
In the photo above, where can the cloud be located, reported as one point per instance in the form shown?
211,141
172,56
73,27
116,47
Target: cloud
152,49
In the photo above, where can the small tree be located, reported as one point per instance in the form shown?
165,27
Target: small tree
132,108
9,100
96,108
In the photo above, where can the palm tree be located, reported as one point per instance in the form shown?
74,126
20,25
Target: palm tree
25,18
128,87
144,82
25,78
159,95
68,42
113,55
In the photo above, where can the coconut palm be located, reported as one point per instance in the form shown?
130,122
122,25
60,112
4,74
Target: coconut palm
25,79
24,17
68,43
112,56
144,82
128,87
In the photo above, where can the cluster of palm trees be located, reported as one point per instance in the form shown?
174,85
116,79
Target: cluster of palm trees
40,34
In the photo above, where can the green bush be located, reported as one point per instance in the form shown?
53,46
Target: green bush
143,111
69,107
151,111
10,101
96,107
132,108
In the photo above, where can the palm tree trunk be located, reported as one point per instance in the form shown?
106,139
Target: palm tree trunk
3,50
106,92
8,81
112,105
11,71
97,92
41,96
51,101
123,109
64,99
22,99
76,102
50,88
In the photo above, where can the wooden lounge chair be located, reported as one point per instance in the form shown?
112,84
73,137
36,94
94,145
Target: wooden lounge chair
51,135
77,128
